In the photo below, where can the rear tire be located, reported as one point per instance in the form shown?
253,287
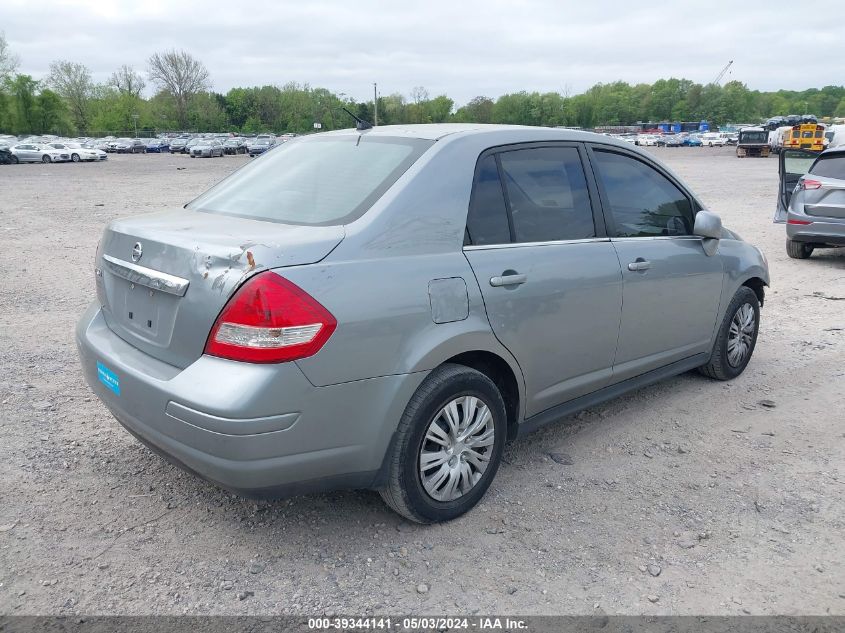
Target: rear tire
798,250
736,338
444,391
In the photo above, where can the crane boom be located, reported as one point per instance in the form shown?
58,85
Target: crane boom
722,73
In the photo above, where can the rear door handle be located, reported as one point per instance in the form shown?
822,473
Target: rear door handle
508,280
639,265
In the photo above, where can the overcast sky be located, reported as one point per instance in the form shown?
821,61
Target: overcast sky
462,48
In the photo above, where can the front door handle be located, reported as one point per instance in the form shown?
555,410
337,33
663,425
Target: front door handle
640,265
510,279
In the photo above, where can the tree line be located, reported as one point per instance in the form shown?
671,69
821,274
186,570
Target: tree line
68,102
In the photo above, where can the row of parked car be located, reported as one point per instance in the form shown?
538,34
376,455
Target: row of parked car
683,139
50,149
40,150
217,145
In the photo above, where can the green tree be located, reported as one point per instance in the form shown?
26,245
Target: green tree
392,109
114,112
23,89
206,114
240,106
267,106
73,82
50,114
478,110
513,109
438,110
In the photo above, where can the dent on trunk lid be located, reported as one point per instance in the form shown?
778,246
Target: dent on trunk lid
215,253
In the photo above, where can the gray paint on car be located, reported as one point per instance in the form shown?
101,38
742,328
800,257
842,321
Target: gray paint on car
408,297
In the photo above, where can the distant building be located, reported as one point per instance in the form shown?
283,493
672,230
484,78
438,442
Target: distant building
680,126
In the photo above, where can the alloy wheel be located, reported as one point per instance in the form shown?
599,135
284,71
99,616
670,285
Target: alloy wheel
456,448
741,334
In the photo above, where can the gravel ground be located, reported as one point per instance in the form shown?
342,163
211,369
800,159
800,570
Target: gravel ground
688,497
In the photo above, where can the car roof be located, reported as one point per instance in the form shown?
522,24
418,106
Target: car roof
437,131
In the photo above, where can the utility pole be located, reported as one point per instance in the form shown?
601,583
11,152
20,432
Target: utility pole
375,103
135,117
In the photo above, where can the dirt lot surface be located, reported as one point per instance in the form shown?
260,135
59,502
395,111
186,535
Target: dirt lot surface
688,497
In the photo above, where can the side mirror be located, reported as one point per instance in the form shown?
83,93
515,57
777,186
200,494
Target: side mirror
709,226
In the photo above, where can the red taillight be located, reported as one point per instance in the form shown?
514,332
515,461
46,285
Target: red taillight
270,320
801,222
808,183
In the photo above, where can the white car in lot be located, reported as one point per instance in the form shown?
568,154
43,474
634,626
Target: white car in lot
644,140
79,152
712,139
38,153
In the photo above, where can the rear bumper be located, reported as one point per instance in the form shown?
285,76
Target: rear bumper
827,231
811,238
259,430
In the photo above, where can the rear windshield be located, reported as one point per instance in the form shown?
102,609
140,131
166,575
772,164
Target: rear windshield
829,167
319,181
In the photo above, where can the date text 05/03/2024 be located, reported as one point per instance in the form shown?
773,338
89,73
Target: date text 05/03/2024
416,623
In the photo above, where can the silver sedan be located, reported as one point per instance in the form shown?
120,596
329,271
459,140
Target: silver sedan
207,149
38,153
386,307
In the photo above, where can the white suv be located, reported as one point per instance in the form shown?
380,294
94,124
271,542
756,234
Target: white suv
712,139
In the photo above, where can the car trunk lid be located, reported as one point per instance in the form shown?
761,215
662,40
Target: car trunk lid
162,279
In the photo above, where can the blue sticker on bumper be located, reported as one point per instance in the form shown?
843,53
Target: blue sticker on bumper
108,378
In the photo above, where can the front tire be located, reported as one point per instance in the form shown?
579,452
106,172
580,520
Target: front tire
736,338
46,159
448,446
74,158
15,160
798,250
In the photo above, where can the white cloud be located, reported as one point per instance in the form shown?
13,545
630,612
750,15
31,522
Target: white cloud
462,49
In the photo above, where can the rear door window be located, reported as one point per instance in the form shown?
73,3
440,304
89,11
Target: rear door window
487,221
643,202
547,194
829,167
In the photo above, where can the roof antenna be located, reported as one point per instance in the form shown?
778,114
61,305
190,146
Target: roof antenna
360,124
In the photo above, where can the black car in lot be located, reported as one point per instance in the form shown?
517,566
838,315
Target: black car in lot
235,145
5,156
668,141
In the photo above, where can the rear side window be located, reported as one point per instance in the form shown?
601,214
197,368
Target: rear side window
643,202
320,181
547,193
829,167
487,221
